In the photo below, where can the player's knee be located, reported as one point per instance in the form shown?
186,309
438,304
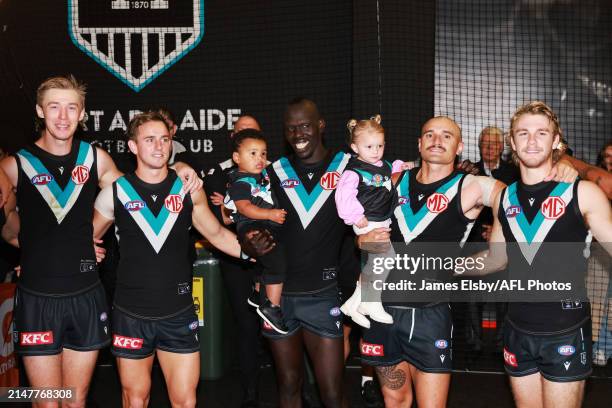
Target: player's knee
184,402
77,403
290,384
332,398
136,399
394,399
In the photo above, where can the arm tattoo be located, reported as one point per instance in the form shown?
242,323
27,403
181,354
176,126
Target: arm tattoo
391,377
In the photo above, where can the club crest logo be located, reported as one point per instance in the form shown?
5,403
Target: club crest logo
136,40
80,175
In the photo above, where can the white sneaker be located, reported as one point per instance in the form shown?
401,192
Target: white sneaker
376,312
349,308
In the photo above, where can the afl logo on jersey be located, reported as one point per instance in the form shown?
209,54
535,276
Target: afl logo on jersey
437,202
42,179
174,203
290,183
329,180
553,208
80,175
401,200
135,205
513,211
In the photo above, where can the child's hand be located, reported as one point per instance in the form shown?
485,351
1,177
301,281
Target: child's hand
362,223
217,198
409,165
278,216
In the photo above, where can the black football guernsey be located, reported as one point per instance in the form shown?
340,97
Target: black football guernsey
154,275
428,213
312,232
55,197
543,218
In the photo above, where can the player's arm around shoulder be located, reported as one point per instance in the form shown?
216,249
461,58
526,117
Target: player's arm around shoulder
9,171
595,209
10,229
207,224
107,171
495,258
104,211
478,192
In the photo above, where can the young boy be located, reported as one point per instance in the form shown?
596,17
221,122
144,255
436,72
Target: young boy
253,207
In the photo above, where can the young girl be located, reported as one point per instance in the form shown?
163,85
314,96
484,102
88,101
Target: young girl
365,199
254,207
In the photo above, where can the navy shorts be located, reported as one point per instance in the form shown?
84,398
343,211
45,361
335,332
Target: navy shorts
559,357
420,336
45,325
136,338
318,313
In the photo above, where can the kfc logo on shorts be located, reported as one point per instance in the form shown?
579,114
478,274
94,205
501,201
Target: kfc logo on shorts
510,358
80,175
376,350
174,203
41,179
127,342
35,338
513,211
437,202
553,208
329,180
290,183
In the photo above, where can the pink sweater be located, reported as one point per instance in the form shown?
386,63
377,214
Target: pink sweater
349,208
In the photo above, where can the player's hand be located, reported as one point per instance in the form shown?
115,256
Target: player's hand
278,216
409,165
100,251
562,172
362,223
468,167
257,243
486,232
189,177
376,241
217,198
6,187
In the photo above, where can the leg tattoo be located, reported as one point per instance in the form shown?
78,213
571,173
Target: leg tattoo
391,377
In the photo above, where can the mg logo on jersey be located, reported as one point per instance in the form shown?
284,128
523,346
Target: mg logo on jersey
329,180
136,40
80,175
513,211
174,203
35,338
290,183
510,358
368,349
553,208
437,202
41,179
127,342
135,205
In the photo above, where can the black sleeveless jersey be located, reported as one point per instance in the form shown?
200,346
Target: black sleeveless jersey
55,197
312,232
546,212
375,191
429,213
154,275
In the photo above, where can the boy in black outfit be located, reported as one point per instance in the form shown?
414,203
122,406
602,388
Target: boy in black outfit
253,207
